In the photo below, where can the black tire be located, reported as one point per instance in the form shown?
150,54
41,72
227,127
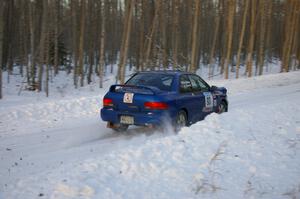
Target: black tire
120,127
181,120
222,107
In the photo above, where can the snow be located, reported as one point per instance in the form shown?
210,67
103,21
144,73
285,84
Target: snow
59,148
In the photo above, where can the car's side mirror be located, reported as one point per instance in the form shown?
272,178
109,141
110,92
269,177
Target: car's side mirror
213,88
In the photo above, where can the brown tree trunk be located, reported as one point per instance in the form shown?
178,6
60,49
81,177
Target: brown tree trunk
56,34
241,39
295,43
224,36
42,44
47,61
269,32
81,42
32,42
175,32
102,44
252,37
1,43
149,39
125,40
213,47
230,33
141,35
91,32
163,29
261,58
74,5
291,20
195,39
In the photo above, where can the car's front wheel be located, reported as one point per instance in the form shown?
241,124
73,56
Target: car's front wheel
181,120
222,107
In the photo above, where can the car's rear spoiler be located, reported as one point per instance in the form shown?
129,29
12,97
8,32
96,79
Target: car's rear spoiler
151,89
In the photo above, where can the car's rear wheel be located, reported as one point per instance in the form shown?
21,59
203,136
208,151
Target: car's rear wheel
120,127
181,120
222,107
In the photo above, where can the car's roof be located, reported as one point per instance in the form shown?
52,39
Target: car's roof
173,72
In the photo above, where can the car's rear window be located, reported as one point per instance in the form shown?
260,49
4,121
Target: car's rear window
161,81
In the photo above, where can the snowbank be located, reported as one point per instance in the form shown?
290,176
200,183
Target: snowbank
245,153
250,152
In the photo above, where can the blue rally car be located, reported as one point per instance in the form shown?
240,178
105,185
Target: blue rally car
152,97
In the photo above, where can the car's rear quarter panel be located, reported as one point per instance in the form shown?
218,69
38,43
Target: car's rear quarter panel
137,110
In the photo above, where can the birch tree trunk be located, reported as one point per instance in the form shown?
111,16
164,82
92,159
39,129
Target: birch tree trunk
42,44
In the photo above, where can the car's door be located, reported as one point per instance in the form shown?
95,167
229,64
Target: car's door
187,98
201,91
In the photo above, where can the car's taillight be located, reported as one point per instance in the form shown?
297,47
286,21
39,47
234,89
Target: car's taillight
107,102
156,105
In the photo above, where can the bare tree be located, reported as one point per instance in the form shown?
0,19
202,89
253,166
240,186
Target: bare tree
84,36
56,16
215,37
241,38
194,64
32,41
102,44
74,17
81,42
42,44
252,37
262,13
2,4
230,33
125,39
149,38
291,20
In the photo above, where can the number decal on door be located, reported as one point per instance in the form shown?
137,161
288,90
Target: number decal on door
128,98
208,99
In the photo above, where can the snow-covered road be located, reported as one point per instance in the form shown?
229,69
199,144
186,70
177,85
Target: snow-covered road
51,137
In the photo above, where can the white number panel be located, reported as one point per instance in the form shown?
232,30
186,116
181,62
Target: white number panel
126,120
208,99
128,98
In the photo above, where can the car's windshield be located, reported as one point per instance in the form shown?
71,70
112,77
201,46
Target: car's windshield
160,81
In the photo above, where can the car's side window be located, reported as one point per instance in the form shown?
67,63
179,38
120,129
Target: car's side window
198,84
185,84
167,80
195,83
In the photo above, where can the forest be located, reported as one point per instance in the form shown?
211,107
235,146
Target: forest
86,38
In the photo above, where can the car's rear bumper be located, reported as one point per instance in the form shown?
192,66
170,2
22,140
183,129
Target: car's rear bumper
145,118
